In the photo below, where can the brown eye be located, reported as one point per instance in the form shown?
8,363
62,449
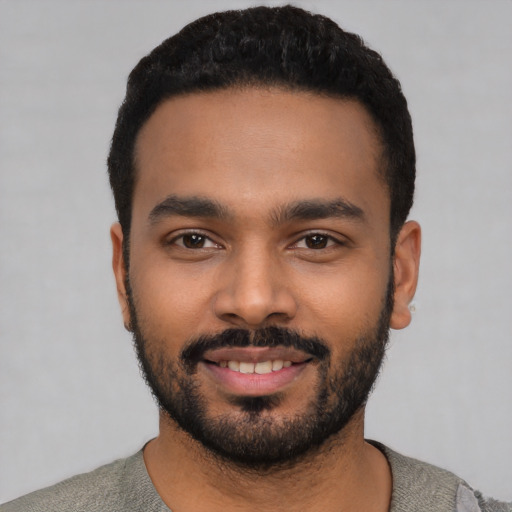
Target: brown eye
193,244
193,241
316,241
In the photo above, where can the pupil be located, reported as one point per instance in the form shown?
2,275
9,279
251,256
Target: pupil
193,241
316,241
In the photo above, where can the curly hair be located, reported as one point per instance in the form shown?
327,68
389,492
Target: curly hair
285,47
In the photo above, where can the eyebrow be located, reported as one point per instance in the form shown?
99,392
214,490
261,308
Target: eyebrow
310,209
187,207
318,209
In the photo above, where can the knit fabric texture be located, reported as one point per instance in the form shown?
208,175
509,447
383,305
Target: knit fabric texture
125,486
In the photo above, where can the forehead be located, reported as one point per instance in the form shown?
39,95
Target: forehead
259,147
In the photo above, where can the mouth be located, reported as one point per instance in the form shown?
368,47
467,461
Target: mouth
260,368
255,371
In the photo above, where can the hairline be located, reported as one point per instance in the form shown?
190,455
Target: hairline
381,159
268,86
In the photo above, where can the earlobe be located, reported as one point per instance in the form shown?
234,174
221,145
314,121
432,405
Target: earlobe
406,268
119,268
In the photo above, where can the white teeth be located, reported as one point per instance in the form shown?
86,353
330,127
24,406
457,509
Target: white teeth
264,367
234,365
277,365
260,368
246,367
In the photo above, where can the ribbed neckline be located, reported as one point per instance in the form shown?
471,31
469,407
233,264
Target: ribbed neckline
417,486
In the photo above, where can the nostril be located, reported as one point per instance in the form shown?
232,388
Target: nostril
250,303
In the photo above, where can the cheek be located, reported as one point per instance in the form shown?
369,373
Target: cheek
344,304
171,304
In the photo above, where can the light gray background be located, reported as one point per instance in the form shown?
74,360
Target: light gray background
70,394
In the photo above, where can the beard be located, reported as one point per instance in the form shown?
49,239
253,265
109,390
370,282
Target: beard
251,436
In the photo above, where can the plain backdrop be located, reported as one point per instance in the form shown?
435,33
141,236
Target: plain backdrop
71,397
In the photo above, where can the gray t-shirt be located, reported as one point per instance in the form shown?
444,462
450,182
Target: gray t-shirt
125,486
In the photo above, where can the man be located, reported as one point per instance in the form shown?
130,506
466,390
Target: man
263,169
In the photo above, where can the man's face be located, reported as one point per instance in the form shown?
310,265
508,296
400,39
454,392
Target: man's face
260,244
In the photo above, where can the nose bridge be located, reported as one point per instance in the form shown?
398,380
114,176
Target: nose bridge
254,287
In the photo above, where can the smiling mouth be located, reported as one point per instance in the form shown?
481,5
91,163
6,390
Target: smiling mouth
259,368
255,371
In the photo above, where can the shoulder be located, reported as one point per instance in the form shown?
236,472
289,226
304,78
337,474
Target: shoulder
114,487
421,486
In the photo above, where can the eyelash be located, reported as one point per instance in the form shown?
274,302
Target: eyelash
329,240
198,234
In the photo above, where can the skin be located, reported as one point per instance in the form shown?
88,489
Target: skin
255,152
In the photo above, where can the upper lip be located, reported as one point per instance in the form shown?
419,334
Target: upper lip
256,354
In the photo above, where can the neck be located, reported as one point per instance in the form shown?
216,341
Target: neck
345,473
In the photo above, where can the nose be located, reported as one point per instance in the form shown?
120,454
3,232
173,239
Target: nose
254,292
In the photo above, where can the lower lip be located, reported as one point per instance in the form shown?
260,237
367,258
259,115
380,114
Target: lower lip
253,384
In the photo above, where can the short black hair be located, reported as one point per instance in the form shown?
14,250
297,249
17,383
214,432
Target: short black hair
267,46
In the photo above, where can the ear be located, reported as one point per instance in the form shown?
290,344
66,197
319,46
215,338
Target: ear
119,268
406,263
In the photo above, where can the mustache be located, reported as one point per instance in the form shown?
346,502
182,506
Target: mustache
270,337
